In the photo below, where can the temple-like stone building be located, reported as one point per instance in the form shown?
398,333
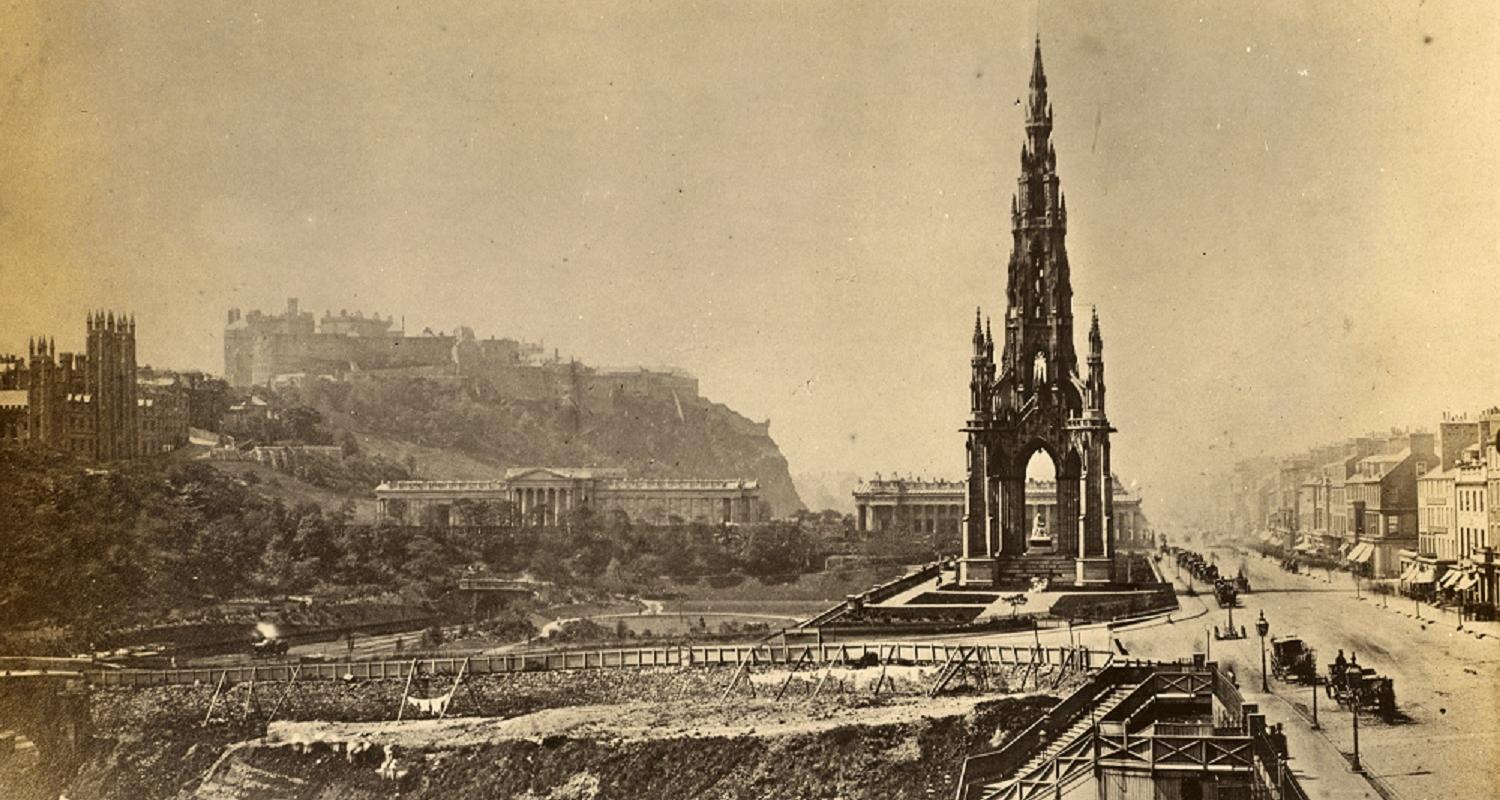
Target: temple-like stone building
548,496
937,507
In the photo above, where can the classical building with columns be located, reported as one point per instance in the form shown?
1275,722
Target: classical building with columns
546,496
937,507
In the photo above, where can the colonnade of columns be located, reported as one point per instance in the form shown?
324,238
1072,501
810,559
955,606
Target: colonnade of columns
546,505
925,517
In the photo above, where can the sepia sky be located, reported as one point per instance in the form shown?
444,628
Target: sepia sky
1285,212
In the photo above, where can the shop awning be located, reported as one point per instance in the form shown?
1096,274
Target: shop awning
1410,572
1469,582
1450,578
1362,552
1424,574
1306,547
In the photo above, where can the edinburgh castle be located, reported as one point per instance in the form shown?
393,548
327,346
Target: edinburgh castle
269,349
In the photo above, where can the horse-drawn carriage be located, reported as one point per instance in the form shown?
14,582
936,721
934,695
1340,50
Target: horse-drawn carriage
1198,566
1353,686
1226,594
1242,582
1292,660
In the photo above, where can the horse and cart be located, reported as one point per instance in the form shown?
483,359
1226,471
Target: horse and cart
1226,593
1360,688
1293,661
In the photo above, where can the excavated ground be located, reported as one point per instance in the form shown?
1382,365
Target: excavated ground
588,734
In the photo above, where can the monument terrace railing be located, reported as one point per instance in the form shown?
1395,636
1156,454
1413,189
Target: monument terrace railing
878,594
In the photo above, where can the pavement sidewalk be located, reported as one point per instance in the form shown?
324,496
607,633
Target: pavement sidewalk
1323,771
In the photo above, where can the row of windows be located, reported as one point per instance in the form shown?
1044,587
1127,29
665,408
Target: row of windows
1471,500
1471,539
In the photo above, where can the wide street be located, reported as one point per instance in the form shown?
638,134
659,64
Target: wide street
1445,680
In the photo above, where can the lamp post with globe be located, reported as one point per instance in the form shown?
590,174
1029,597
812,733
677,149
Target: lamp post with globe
1262,627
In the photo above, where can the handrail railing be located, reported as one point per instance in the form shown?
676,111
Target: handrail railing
986,767
1245,746
1072,763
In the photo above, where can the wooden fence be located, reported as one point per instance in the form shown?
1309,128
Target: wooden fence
921,653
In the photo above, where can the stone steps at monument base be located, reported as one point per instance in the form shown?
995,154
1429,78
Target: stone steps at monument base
1021,571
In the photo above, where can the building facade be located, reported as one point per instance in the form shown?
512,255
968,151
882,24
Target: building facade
548,496
1035,399
937,507
1436,503
1382,496
90,404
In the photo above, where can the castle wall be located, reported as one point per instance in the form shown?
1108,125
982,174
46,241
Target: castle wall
259,347
253,358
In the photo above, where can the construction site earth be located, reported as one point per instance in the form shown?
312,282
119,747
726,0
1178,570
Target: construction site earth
1155,705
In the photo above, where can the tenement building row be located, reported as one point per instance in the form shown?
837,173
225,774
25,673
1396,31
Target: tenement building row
547,496
934,506
95,404
1418,509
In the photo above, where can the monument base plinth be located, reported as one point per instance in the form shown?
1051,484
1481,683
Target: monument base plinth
978,571
1095,571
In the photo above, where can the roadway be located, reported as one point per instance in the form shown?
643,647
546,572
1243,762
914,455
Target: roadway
1444,743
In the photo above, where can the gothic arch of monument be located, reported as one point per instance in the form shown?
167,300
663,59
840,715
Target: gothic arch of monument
1034,399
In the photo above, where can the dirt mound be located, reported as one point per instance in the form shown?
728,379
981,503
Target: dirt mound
153,743
917,756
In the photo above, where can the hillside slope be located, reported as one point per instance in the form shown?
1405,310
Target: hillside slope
448,423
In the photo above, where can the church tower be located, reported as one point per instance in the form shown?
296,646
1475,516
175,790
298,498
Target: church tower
111,385
1035,399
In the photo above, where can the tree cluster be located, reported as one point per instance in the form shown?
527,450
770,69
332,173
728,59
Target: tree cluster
97,548
93,549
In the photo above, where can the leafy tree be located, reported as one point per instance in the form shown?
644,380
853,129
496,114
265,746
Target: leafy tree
302,423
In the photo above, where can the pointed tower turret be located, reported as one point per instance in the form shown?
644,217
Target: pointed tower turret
982,369
1096,366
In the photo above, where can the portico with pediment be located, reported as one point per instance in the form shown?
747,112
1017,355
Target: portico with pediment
546,495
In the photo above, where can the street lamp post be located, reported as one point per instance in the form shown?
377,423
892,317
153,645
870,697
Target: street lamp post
1355,708
1356,692
1263,627
1315,701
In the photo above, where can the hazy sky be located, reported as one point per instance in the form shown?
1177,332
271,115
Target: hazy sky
1286,212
